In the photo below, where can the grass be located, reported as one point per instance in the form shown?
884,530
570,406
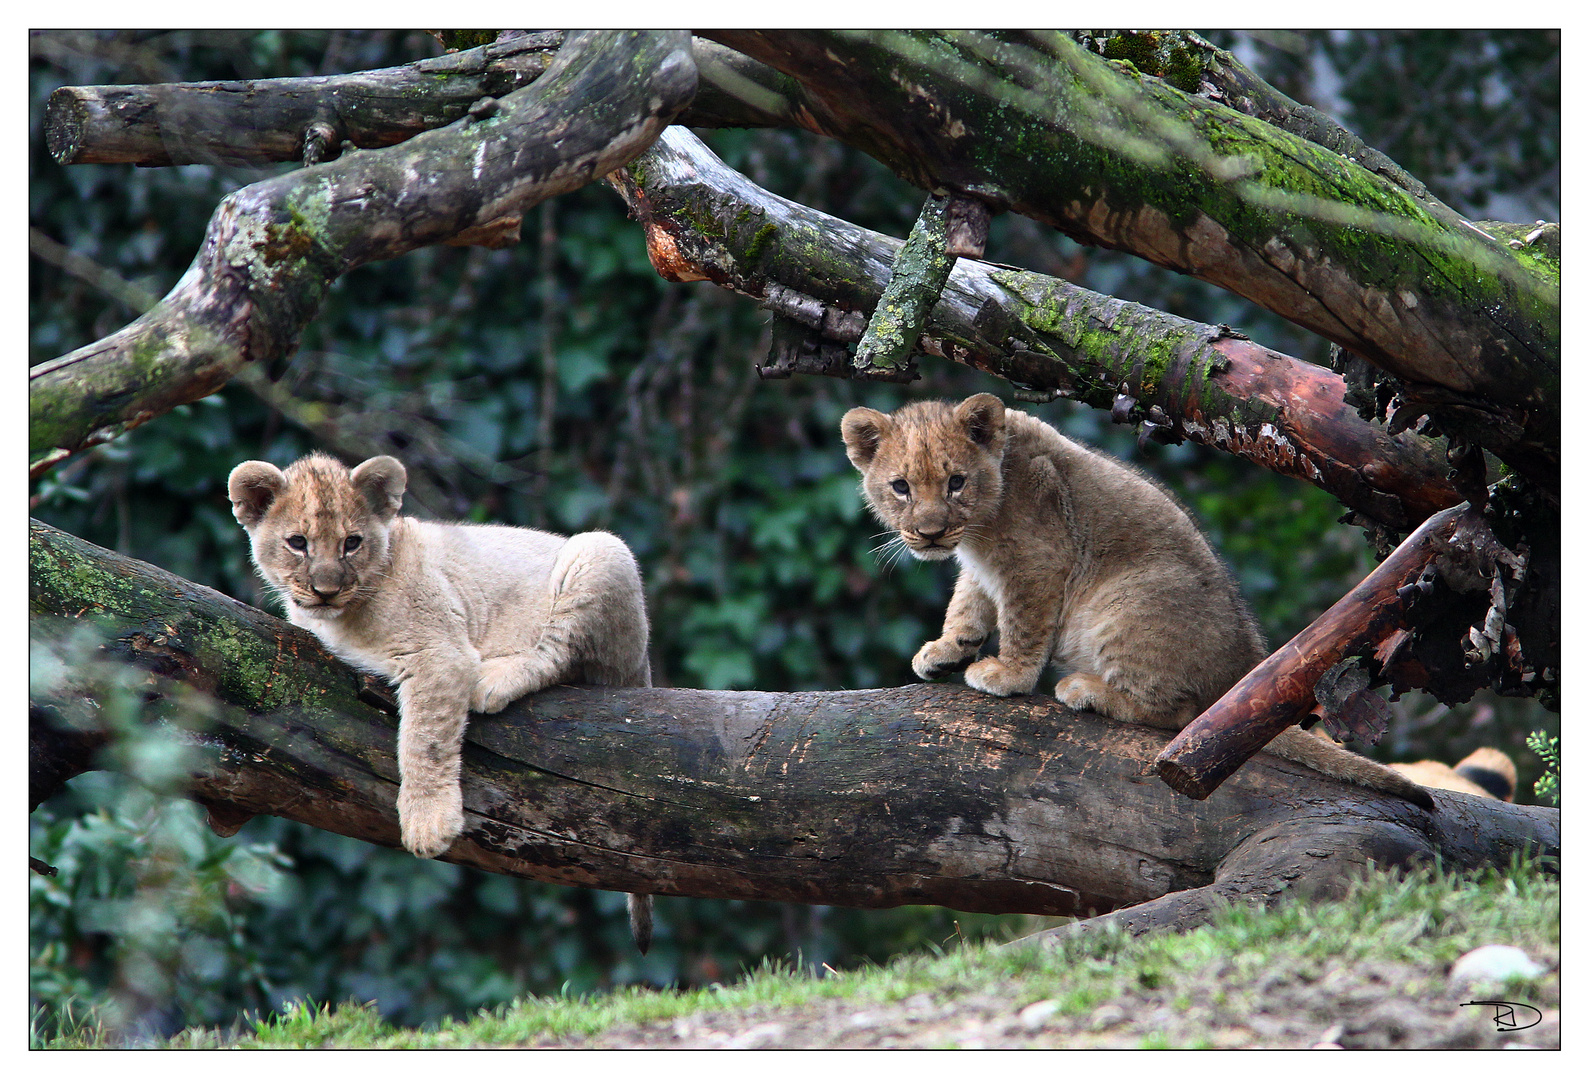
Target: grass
1399,934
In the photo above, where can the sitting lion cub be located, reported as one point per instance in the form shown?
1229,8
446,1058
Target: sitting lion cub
459,617
1078,561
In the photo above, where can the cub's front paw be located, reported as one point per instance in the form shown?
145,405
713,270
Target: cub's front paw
939,658
430,823
992,675
496,686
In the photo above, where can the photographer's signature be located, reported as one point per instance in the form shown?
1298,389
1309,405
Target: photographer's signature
1511,1015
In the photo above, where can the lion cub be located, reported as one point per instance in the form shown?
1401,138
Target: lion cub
1078,561
459,617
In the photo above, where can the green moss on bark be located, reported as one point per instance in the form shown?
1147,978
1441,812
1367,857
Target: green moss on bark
920,270
1128,345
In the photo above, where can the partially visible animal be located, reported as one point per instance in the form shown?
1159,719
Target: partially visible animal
1487,772
1079,562
458,616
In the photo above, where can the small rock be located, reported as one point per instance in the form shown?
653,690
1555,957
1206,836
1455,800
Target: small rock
756,1038
1037,1014
1331,1039
1493,963
1106,1016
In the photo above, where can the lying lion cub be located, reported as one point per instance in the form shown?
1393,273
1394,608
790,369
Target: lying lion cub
1078,561
1487,772
459,617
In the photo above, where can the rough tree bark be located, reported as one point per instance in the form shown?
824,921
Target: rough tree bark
1032,122
925,794
705,221
273,248
265,120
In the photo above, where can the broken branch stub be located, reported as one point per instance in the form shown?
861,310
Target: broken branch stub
262,120
1280,691
921,267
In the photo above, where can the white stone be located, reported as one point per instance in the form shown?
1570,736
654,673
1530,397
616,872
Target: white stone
1494,963
1037,1014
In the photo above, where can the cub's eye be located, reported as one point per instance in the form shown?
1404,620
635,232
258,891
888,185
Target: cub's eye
901,487
297,543
350,545
957,482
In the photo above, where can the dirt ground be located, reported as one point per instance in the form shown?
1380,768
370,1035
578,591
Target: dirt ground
1381,1006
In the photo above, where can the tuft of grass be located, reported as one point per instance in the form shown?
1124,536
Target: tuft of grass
76,1024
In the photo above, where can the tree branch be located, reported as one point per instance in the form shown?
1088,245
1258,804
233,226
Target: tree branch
704,221
263,120
1194,66
266,120
273,248
1451,585
1033,123
925,794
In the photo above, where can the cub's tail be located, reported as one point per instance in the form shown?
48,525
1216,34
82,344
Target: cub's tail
1326,757
640,920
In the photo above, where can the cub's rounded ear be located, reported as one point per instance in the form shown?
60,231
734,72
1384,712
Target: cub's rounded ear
381,481
252,487
864,431
983,418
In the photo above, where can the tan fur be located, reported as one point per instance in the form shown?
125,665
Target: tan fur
459,617
1079,562
1485,766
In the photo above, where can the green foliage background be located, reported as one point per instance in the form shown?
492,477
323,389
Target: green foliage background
560,383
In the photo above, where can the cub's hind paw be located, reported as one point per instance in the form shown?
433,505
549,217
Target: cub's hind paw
1081,692
430,824
939,658
1085,692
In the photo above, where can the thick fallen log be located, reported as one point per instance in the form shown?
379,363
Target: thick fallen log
874,798
273,248
1182,379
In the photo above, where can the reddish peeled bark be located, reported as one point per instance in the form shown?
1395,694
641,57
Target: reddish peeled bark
1281,690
